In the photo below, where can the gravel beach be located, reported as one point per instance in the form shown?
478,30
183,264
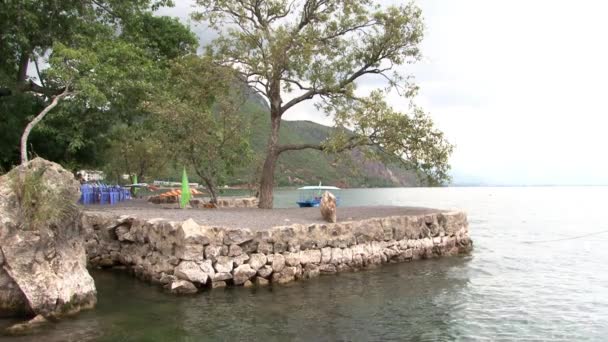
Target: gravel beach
251,218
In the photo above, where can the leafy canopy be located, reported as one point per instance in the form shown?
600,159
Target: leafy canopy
293,51
200,120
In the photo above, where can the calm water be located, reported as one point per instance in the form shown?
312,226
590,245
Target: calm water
515,285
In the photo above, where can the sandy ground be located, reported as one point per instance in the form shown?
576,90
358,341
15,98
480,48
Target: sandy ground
251,218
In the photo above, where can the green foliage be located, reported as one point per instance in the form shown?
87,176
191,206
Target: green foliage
318,50
411,138
165,38
112,55
136,150
201,124
15,112
38,204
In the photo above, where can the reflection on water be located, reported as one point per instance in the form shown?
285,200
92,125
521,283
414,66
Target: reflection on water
510,288
384,303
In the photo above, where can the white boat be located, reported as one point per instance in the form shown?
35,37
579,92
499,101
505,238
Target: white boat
310,196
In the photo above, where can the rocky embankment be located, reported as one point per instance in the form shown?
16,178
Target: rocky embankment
42,255
186,256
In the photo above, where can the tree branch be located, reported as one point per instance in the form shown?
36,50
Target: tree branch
38,72
36,120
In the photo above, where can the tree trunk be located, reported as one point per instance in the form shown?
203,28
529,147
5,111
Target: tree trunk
211,188
30,126
272,154
24,61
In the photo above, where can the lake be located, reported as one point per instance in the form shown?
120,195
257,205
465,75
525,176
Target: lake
537,272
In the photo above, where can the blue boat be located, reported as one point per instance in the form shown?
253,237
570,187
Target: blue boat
310,196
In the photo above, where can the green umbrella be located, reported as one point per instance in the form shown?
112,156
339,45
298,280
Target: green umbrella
134,189
185,198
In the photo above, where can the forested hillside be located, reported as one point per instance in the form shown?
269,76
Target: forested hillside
349,169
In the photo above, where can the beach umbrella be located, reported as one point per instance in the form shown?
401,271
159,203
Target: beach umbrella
134,190
185,196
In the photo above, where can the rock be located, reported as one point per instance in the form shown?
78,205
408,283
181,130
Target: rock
190,252
237,236
325,255
189,232
248,283
292,259
265,271
310,256
24,328
310,271
223,264
242,274
357,260
235,250
285,276
191,271
218,284
167,278
43,249
336,256
278,262
250,247
123,233
265,248
12,300
191,240
239,260
221,276
299,272
257,260
260,281
182,287
207,267
327,268
343,268
328,207
212,252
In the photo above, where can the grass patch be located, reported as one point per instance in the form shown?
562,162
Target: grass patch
37,203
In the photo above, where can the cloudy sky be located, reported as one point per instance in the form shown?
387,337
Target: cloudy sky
518,86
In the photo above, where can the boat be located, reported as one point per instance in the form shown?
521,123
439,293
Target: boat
310,196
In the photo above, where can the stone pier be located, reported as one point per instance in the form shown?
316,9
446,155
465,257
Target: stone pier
188,255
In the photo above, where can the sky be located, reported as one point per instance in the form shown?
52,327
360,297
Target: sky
518,86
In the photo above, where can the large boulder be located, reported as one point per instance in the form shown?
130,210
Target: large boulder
43,264
328,207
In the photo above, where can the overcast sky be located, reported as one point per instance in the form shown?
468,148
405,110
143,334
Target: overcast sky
518,86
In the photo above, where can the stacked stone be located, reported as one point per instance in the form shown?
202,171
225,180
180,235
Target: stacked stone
186,256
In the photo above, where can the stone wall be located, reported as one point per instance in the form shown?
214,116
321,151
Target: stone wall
185,256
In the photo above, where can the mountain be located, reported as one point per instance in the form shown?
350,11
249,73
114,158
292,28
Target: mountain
309,167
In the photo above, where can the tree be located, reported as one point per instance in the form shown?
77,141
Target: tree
136,150
91,72
297,51
30,28
201,121
120,41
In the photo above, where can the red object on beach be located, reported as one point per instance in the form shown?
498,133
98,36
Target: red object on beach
178,192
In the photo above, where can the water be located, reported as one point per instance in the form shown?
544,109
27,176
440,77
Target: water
515,285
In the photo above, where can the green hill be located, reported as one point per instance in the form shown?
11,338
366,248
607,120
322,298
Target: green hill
308,167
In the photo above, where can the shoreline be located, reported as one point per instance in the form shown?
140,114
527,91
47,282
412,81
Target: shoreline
247,247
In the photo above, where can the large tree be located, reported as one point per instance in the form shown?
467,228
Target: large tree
105,56
201,120
293,51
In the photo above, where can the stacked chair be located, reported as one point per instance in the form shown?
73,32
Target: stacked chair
100,193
